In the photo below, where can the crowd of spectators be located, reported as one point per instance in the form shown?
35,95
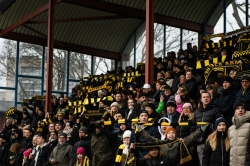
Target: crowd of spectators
179,94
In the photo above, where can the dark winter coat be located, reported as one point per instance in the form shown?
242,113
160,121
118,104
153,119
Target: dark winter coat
244,97
218,157
227,99
184,131
133,115
152,131
191,87
175,117
101,148
51,146
27,143
175,84
208,114
4,152
42,159
84,142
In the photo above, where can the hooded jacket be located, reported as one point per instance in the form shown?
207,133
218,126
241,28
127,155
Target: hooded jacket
239,135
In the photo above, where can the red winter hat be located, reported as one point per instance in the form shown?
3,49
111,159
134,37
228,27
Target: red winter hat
80,150
27,152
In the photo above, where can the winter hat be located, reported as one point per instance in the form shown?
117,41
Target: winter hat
27,152
126,134
203,87
237,104
170,129
114,104
80,150
63,135
41,134
228,79
142,94
245,77
59,122
146,86
187,105
4,137
150,105
143,111
171,102
221,119
178,99
84,129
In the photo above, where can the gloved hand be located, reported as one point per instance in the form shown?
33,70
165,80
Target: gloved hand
204,128
139,127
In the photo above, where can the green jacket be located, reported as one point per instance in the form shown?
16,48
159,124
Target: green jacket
160,107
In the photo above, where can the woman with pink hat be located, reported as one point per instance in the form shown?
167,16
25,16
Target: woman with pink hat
81,158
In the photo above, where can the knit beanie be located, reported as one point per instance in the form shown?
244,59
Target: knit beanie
150,105
126,134
80,150
84,129
27,152
171,102
170,129
228,79
245,77
114,104
221,119
187,105
237,104
143,111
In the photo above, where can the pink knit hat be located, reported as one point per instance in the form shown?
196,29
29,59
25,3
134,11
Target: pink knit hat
80,150
187,105
27,152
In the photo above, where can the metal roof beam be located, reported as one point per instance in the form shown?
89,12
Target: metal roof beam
78,19
26,18
63,45
140,14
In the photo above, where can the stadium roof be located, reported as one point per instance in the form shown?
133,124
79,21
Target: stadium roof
102,27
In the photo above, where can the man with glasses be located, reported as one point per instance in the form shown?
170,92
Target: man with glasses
243,94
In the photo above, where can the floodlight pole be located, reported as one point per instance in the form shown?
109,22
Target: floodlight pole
50,45
149,65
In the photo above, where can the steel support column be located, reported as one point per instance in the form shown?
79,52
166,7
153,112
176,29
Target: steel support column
135,49
50,50
43,67
17,71
67,71
225,16
246,13
181,38
149,68
164,41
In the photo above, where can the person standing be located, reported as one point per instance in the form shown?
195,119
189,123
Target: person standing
217,147
62,153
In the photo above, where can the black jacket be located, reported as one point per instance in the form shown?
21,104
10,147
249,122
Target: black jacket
27,143
184,131
227,99
4,152
176,82
208,114
191,87
219,156
43,158
84,142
